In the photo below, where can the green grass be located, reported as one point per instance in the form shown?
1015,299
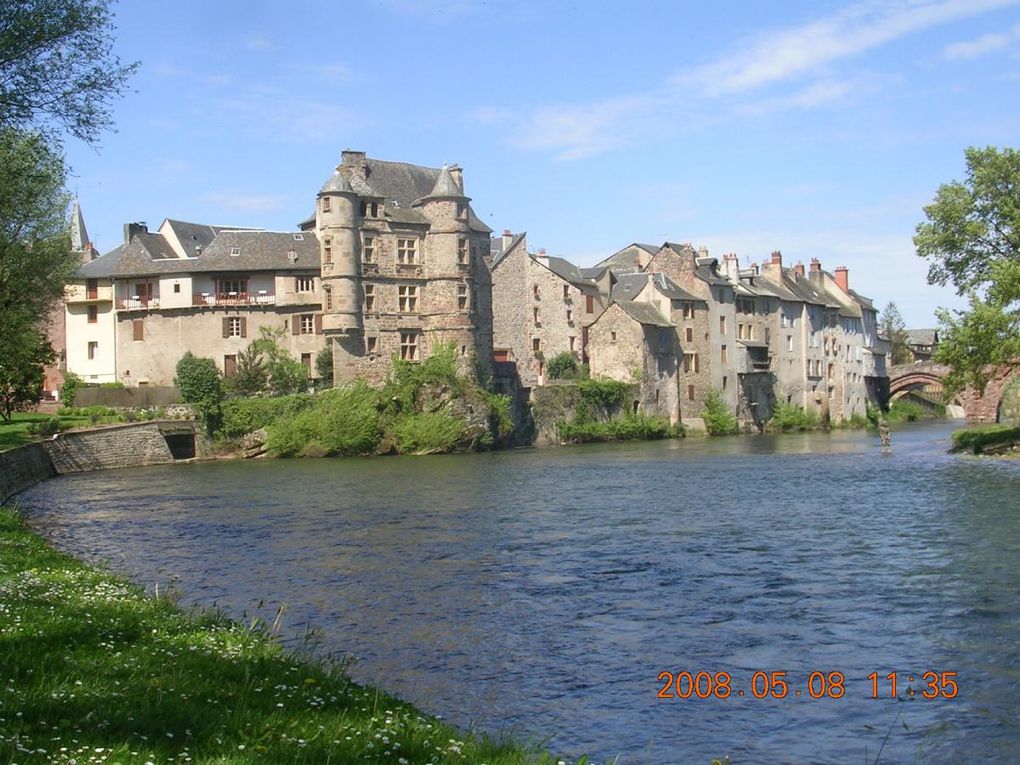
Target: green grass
981,437
15,432
93,670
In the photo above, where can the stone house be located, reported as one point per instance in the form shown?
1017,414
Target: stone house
133,312
403,260
542,306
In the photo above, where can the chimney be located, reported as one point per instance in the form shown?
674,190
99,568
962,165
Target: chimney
356,161
731,266
777,258
841,275
799,270
130,229
541,253
815,265
507,238
458,176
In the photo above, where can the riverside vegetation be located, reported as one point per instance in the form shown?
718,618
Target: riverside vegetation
94,670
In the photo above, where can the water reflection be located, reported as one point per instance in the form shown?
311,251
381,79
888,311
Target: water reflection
543,591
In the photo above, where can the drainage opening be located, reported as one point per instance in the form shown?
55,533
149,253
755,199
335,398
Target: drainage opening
181,445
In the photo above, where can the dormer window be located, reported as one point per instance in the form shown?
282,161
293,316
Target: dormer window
299,237
235,251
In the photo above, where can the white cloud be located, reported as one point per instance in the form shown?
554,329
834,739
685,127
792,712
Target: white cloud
980,46
783,54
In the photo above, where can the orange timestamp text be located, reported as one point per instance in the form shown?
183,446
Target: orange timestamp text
817,685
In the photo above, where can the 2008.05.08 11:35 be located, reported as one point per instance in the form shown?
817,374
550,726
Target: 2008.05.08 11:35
820,685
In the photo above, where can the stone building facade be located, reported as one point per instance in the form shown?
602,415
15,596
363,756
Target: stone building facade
403,263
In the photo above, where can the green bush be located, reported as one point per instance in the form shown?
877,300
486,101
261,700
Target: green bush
719,420
201,385
427,432
45,428
342,421
904,411
788,417
975,440
72,384
562,366
502,420
631,427
245,415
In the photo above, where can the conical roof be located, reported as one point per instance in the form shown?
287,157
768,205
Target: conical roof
79,236
337,184
446,187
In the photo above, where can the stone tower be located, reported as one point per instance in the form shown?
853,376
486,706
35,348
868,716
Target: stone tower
336,219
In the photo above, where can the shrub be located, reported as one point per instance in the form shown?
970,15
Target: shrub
600,398
342,421
44,428
719,420
787,417
904,411
562,366
631,427
427,432
72,383
324,367
244,415
977,439
501,421
201,385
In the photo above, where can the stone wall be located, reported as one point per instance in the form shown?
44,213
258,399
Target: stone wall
23,467
118,446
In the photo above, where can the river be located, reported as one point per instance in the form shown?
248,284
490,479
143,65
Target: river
542,592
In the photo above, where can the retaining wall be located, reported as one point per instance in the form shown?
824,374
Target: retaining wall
133,444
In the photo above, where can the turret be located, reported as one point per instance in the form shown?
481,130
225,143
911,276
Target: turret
336,218
446,207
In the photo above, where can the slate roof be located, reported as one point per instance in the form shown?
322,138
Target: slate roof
672,290
192,235
258,251
922,336
623,261
645,313
628,286
79,234
504,250
564,269
400,185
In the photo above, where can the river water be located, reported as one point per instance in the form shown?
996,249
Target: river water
542,592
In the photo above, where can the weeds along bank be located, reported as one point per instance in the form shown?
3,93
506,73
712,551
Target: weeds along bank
93,670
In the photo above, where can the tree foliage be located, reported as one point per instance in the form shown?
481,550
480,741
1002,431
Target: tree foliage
26,351
894,328
972,240
284,374
57,67
201,385
562,366
719,420
324,366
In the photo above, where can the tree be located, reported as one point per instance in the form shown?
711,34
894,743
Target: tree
57,67
201,385
893,327
25,352
719,420
285,374
251,377
324,367
562,366
972,240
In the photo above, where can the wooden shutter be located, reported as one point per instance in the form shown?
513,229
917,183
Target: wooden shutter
295,324
229,366
589,304
244,327
318,323
138,326
226,327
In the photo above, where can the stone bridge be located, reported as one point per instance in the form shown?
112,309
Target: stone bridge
925,378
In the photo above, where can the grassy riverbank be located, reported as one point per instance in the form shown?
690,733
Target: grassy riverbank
92,670
987,439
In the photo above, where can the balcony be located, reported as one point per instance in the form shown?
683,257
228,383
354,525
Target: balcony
137,303
262,297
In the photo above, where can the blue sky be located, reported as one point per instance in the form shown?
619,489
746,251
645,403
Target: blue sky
817,128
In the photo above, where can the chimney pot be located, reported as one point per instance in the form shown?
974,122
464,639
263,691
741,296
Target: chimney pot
816,264
799,270
777,258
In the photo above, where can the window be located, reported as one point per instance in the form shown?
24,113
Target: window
535,316
783,321
328,294
326,204
589,304
299,237
306,360
369,298
566,292
93,314
689,335
691,363
612,337
143,292
229,365
462,297
571,340
235,251
91,289
789,342
462,251
407,251
177,288
371,344
570,316
327,250
723,356
722,325
690,392
233,326
724,382
307,324
231,287
368,249
536,291
138,329
409,346
304,283
93,349
688,310
407,298
536,344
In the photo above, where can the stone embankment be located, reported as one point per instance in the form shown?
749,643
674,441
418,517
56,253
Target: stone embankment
156,442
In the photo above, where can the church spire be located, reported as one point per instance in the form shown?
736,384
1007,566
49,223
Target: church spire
79,234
